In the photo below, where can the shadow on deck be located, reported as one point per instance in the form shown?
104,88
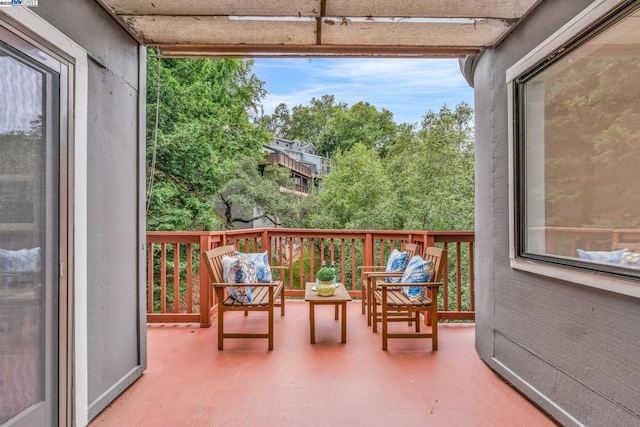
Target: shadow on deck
189,382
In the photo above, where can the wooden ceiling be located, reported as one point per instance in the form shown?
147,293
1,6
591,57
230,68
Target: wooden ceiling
412,28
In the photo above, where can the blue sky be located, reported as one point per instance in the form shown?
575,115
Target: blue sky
406,87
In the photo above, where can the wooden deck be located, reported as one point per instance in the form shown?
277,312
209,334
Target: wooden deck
190,383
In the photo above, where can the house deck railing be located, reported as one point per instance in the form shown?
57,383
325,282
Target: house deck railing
175,274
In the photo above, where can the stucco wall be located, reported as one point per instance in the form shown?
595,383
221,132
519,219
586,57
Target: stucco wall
572,349
116,354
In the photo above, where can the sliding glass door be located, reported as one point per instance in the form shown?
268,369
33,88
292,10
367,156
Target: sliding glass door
32,138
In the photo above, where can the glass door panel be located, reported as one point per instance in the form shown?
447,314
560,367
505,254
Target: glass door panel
29,230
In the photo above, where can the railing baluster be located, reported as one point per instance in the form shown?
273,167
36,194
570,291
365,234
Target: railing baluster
472,291
291,263
353,265
176,277
301,280
445,280
458,278
342,261
163,279
332,253
189,277
312,275
150,278
280,253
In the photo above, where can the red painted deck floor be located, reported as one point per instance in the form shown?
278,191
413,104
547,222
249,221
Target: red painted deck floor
189,382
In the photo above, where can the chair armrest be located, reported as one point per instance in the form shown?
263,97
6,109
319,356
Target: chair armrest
255,285
383,274
421,284
366,270
362,267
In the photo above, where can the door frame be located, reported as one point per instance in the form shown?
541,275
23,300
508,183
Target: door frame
73,335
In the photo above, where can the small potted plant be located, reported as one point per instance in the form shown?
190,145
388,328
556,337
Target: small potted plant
326,286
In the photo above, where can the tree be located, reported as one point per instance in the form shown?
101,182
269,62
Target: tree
332,126
312,121
361,123
434,169
357,193
206,110
591,123
251,194
279,123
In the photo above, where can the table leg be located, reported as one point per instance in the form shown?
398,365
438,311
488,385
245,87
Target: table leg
312,322
336,306
344,321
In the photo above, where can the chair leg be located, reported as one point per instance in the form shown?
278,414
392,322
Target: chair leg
363,299
374,314
220,329
434,327
271,314
385,315
369,301
417,321
220,321
282,302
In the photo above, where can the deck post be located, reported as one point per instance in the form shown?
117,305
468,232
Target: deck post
205,284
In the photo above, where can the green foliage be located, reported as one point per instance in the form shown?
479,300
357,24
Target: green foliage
313,123
357,194
203,157
591,123
250,195
205,112
434,169
279,123
325,274
422,180
333,127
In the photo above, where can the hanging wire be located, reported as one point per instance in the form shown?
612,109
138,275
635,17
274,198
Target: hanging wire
152,169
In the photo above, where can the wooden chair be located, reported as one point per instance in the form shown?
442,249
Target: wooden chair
367,285
393,301
263,298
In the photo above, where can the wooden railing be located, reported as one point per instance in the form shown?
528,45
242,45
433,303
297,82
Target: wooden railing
286,161
173,266
565,241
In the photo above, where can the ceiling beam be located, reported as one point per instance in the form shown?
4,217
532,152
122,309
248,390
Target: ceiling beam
274,51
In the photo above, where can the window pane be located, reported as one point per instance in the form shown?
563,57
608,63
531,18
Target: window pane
582,150
24,114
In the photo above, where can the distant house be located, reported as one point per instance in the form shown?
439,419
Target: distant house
302,153
307,168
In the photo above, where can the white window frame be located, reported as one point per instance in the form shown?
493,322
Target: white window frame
552,46
21,19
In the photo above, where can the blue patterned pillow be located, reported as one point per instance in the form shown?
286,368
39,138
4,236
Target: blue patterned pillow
417,271
614,257
261,265
396,263
238,269
20,261
630,259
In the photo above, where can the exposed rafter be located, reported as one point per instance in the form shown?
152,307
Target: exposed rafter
318,27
